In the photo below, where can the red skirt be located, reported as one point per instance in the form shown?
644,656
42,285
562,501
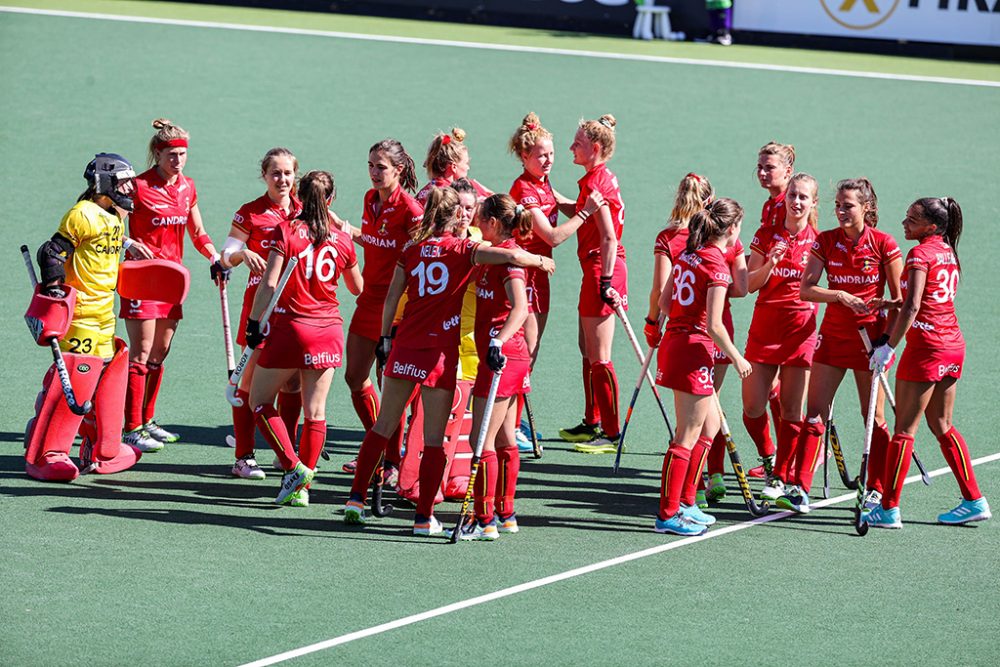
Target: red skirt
590,288
782,337
297,342
684,363
514,380
432,367
150,310
925,364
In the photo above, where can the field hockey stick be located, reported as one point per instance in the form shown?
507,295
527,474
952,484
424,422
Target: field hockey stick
630,333
477,455
892,403
57,357
838,454
826,456
734,458
379,508
859,524
226,328
631,406
234,379
536,447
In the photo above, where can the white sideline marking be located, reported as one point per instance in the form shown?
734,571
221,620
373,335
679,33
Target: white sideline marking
502,47
569,574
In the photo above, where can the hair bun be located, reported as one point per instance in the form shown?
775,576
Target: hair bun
458,133
161,123
608,121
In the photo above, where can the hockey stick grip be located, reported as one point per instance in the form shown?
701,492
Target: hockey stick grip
227,328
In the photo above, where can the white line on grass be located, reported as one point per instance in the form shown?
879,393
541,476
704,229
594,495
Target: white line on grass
503,47
569,574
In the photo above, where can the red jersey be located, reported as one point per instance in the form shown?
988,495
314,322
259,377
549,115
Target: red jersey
311,291
385,229
437,271
773,213
936,325
160,218
782,286
439,182
671,243
856,267
694,273
530,193
258,220
588,237
493,307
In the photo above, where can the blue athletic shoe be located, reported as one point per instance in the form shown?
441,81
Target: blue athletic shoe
523,442
694,513
679,524
966,512
526,429
881,517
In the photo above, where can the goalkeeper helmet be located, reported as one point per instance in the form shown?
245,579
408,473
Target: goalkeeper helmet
106,173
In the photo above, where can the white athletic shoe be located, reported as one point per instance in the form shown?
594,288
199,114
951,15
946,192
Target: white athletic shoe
141,440
157,432
247,468
775,489
429,528
293,480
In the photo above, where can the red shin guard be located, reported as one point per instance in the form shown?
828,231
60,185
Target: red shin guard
807,454
105,453
486,483
788,438
509,465
675,465
135,394
289,409
244,426
154,378
432,466
877,458
311,441
605,384
898,461
394,446
591,412
369,459
956,453
273,430
366,405
696,463
717,455
759,429
774,403
520,408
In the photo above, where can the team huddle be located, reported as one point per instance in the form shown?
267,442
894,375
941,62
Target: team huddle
453,289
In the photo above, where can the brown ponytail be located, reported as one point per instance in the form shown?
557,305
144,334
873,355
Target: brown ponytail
866,195
316,189
439,212
712,222
514,218
398,156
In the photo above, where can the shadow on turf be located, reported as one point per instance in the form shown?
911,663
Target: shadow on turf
216,436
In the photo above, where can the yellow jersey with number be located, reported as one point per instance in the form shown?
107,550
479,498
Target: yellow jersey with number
97,237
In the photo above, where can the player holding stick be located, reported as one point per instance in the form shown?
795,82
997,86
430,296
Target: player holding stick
389,218
928,372
306,335
532,144
782,337
694,300
860,262
605,277
433,270
249,242
166,205
501,310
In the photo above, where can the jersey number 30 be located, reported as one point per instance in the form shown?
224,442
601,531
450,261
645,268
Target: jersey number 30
947,285
431,278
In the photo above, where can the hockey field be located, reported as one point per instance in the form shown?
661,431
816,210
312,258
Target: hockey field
175,562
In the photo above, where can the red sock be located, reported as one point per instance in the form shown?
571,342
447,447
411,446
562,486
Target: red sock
788,437
774,402
509,465
956,453
877,457
289,407
486,484
134,395
605,384
273,430
591,411
807,454
696,464
759,429
520,409
311,441
152,390
675,465
369,458
717,455
898,458
244,426
432,465
366,405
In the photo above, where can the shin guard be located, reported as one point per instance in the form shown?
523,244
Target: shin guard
591,412
508,468
807,454
135,395
605,383
289,408
696,463
898,464
106,453
675,465
154,378
956,453
877,458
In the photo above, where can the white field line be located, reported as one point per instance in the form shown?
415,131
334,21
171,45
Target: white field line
569,574
503,47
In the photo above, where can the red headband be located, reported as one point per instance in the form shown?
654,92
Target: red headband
445,140
694,176
180,142
531,126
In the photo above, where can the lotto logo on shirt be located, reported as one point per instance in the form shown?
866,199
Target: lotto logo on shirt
452,322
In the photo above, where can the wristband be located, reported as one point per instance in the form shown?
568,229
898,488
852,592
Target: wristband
126,244
651,323
201,242
583,214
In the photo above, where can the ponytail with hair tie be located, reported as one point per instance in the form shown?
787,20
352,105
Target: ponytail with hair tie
606,123
518,210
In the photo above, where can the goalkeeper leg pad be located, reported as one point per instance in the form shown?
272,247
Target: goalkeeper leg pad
104,452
